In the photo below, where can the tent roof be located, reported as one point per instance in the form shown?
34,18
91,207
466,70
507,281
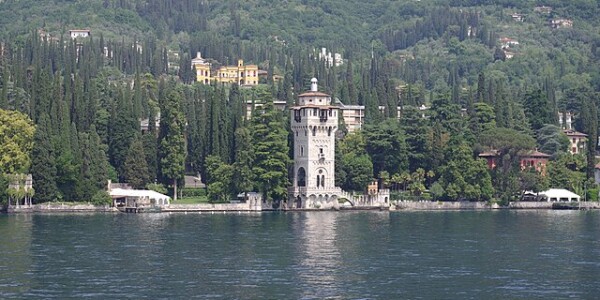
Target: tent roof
119,193
559,193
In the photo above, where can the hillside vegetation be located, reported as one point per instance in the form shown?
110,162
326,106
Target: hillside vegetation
486,69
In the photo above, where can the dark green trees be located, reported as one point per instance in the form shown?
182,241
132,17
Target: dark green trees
43,168
386,146
172,150
135,167
270,153
464,178
354,168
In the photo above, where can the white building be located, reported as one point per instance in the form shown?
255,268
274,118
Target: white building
554,195
79,33
331,60
314,124
578,141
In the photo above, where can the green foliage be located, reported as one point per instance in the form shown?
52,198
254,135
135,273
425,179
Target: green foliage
16,141
101,198
3,189
551,140
43,168
135,168
396,53
193,192
271,153
463,177
592,194
244,158
358,170
157,187
482,119
172,146
386,146
220,179
567,172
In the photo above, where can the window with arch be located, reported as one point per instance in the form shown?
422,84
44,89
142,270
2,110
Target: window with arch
301,177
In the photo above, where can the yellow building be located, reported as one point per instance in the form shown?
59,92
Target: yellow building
240,74
202,69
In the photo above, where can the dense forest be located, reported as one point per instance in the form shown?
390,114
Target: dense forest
494,75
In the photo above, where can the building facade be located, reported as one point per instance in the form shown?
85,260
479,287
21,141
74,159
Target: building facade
202,68
578,141
240,74
314,122
79,33
529,159
247,75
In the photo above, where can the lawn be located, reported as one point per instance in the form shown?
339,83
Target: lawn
191,200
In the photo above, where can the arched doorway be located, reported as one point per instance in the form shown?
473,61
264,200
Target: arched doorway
301,177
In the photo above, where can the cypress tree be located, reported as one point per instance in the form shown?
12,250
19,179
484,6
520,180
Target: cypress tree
43,168
123,129
135,167
172,147
271,153
244,159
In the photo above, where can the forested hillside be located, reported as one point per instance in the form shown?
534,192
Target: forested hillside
494,74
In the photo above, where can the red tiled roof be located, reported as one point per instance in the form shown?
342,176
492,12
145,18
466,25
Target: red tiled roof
536,154
313,94
314,106
569,132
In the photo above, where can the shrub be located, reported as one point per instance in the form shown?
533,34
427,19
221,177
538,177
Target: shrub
592,194
101,198
193,192
159,188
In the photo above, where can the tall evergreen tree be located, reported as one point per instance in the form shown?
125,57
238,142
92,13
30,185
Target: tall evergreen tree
135,167
244,159
271,153
43,168
172,151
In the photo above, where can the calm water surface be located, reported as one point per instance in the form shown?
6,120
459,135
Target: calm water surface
316,255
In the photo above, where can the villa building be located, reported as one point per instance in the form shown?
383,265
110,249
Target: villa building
578,141
530,159
245,75
79,33
202,69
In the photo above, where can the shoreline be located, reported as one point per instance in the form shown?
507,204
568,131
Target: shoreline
399,206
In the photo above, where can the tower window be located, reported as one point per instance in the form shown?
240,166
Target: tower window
301,177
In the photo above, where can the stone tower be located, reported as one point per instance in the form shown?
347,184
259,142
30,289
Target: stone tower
314,122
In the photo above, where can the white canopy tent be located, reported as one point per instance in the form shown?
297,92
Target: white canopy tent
143,196
553,195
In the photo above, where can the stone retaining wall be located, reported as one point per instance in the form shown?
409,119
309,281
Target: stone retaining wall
464,205
530,205
212,207
439,205
61,207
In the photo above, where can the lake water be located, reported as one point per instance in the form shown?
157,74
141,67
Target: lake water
307,255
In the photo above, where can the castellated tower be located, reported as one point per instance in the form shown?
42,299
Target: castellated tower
314,124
